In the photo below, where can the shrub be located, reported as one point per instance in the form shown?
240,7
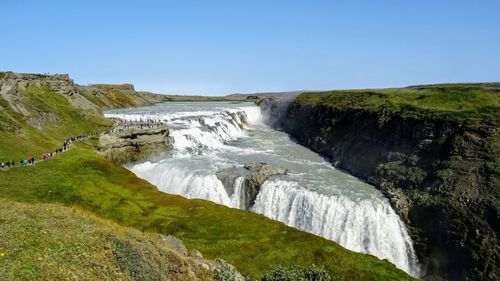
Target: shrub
312,273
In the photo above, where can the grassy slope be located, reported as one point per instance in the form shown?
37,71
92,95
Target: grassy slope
33,142
251,242
81,178
51,242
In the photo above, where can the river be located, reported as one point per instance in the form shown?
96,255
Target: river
313,196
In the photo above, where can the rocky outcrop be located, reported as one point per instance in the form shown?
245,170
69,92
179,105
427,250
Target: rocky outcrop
260,172
94,97
134,143
60,83
436,174
220,269
108,87
251,176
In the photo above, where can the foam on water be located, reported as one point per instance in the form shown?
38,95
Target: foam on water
367,226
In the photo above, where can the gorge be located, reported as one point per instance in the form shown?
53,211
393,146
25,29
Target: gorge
216,148
432,150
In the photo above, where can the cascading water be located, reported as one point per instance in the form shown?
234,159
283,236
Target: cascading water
313,196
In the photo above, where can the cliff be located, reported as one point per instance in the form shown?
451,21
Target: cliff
432,150
124,145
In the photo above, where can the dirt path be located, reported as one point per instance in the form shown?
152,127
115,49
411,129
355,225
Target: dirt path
54,154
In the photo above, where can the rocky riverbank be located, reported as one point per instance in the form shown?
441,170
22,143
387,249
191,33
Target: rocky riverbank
438,168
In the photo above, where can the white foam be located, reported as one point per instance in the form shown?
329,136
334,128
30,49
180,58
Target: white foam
367,226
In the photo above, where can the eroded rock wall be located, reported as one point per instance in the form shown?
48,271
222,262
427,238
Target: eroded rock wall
133,144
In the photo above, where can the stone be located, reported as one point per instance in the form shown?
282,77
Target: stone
174,243
227,272
255,174
134,144
195,254
262,171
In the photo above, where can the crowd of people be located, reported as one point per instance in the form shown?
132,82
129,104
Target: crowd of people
122,125
30,161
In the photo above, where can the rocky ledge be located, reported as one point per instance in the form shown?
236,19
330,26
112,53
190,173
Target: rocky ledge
125,145
252,175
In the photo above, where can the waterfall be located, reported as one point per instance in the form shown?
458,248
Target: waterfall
367,226
210,137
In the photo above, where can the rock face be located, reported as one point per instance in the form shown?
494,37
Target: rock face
260,172
435,173
252,176
134,143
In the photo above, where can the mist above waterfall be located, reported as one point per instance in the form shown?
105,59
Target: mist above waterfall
313,196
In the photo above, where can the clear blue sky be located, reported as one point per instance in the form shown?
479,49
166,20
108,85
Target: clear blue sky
221,47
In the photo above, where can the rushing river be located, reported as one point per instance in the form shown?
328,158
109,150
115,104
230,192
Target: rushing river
313,196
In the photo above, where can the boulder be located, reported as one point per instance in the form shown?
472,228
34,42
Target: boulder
227,272
262,171
254,175
174,243
134,144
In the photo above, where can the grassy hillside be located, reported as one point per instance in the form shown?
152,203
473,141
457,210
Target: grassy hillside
51,242
44,120
40,119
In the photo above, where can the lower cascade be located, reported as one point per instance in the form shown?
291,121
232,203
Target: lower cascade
311,196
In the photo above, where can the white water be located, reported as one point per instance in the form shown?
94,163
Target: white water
313,196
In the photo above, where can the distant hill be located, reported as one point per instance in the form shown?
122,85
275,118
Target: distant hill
263,95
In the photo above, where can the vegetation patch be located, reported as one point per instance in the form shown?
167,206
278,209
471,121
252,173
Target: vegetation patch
469,103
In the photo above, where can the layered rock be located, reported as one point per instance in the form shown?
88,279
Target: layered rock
253,175
133,144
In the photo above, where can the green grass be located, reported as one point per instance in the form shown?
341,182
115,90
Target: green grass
251,242
52,242
471,103
20,140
